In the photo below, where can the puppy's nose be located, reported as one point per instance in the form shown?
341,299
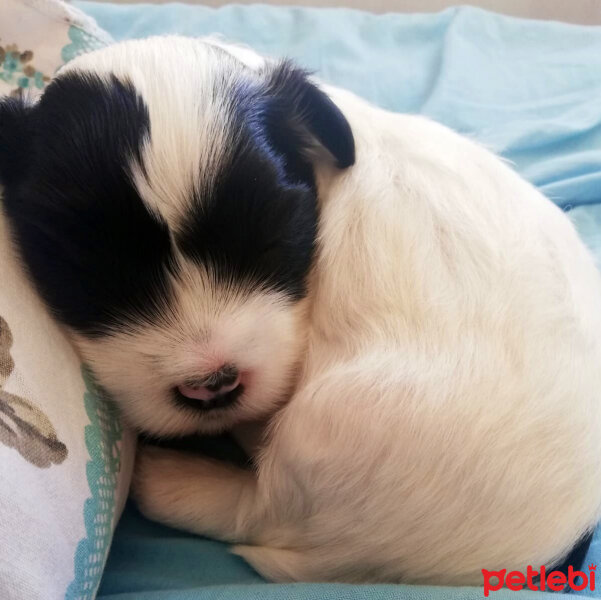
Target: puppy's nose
215,389
225,377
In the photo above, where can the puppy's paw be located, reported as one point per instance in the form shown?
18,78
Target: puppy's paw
194,493
155,482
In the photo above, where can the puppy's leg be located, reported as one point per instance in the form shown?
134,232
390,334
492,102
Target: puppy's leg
216,499
198,494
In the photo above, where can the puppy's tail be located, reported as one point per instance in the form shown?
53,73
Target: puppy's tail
277,564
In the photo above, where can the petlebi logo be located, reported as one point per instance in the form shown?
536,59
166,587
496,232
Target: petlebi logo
539,581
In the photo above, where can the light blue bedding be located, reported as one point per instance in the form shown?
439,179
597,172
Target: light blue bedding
529,90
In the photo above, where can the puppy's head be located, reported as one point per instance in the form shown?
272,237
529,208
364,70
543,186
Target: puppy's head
162,196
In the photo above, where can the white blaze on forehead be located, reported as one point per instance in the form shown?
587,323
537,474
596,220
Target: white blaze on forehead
182,82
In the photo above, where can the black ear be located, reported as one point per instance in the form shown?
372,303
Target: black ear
15,139
309,113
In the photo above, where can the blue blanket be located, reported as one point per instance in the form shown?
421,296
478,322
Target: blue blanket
529,90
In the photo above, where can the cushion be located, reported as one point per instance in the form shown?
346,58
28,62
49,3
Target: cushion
65,459
527,89
36,38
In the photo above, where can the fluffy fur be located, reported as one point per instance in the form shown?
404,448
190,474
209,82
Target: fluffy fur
171,223
439,354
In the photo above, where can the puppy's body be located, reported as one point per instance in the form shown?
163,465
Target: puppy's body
448,416
446,412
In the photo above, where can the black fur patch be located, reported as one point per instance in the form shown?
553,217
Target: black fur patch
96,254
15,140
259,223
256,226
301,105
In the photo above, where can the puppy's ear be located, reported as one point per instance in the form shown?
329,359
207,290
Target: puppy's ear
304,115
15,139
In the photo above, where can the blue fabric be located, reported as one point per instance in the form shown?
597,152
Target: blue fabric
529,90
151,562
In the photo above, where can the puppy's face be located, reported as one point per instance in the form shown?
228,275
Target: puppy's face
168,218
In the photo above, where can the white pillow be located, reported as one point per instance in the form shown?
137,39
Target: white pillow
65,459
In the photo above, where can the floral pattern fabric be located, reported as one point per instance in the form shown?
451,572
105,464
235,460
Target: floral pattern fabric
65,460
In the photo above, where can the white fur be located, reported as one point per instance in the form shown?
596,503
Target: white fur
447,417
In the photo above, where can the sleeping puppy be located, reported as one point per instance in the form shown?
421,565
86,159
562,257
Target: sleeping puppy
235,241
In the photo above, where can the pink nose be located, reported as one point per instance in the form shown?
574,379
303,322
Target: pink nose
216,385
204,393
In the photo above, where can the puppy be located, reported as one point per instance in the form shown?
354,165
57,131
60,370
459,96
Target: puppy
235,241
